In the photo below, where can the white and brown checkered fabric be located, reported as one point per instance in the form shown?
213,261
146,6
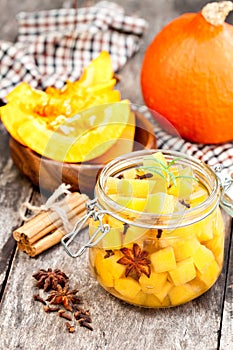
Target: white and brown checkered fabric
54,46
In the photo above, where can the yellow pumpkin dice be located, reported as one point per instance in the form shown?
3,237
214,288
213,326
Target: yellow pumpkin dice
162,294
134,188
216,245
183,247
210,274
152,301
105,266
153,284
181,294
163,260
127,287
202,258
160,203
132,203
184,272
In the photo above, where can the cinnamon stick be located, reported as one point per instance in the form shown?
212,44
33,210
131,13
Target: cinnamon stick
70,215
47,221
49,240
47,229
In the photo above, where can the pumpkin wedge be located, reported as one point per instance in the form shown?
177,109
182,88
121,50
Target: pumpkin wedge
82,121
80,138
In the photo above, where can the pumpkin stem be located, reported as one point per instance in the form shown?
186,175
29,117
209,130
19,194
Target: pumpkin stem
215,13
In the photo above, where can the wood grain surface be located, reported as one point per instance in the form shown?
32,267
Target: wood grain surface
203,324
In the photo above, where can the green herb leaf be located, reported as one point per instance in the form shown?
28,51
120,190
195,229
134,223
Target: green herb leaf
172,162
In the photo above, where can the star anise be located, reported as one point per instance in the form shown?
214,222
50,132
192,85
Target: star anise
64,296
136,261
50,279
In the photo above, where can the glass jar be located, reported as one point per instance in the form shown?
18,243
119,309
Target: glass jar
150,259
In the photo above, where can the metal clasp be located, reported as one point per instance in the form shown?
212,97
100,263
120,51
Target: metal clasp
93,211
226,182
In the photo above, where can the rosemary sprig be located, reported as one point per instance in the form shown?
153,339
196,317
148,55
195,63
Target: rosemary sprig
161,168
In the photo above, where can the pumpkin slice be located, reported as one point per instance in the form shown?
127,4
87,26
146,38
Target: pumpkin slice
12,117
98,71
85,136
24,93
124,143
95,99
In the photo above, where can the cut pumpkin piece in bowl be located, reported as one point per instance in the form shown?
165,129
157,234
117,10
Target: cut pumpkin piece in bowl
98,71
80,138
13,117
26,95
124,144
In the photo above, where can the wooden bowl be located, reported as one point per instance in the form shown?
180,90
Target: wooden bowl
48,174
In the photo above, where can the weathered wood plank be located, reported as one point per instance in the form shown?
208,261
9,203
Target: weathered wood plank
14,189
193,326
226,340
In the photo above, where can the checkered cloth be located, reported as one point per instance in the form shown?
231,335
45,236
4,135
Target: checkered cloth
54,46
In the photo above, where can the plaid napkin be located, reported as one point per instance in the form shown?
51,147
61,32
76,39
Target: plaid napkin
54,46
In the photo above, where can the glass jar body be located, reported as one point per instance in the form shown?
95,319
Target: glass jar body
160,261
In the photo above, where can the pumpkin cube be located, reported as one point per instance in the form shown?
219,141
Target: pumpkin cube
112,240
181,294
132,203
154,283
163,260
133,234
205,228
156,165
109,265
134,188
156,159
105,277
185,248
151,301
216,245
111,185
185,232
184,183
162,294
185,271
131,173
127,287
210,274
202,258
198,286
198,195
219,227
166,302
160,203
139,299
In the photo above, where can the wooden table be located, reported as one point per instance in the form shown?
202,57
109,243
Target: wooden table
206,323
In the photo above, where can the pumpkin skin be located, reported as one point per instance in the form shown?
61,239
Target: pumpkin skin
187,77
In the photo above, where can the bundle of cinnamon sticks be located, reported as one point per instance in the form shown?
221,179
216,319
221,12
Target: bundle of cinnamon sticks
47,229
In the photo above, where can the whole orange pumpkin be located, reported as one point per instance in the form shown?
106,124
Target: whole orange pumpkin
187,74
